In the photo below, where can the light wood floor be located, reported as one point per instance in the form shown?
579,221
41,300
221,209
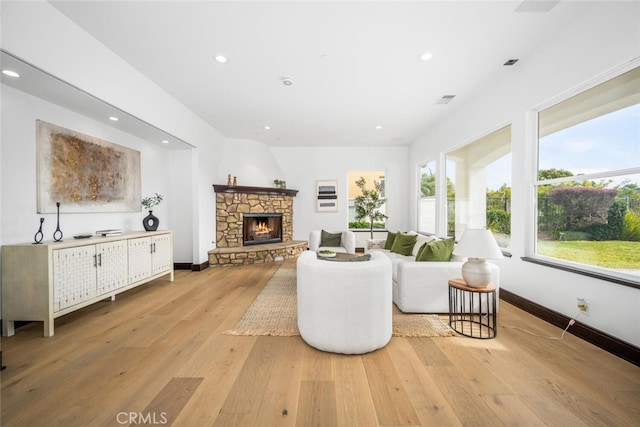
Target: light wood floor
157,355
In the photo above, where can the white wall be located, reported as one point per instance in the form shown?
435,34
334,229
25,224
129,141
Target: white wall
181,193
587,48
303,166
256,164
20,219
250,161
38,33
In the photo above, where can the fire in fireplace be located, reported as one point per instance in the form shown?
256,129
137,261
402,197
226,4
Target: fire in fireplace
258,229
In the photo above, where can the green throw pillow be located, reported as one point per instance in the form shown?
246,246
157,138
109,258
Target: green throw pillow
436,250
422,248
330,239
403,243
390,238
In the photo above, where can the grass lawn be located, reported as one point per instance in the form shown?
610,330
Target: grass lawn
609,254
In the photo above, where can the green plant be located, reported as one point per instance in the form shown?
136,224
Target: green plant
365,224
613,228
583,206
369,202
499,221
631,227
149,202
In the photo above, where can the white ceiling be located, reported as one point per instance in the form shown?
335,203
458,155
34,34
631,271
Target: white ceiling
355,65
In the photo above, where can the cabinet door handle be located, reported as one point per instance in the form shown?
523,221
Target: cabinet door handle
95,262
99,260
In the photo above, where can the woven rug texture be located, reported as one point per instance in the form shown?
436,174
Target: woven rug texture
274,312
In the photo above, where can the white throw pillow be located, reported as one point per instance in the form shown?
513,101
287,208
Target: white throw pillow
422,239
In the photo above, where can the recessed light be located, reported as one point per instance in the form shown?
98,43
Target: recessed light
426,56
221,59
114,118
164,141
267,127
10,73
510,62
378,127
287,81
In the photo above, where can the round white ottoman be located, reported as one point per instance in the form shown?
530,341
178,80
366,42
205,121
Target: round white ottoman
343,306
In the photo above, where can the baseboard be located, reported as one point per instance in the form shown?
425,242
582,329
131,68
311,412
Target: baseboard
188,266
200,267
613,345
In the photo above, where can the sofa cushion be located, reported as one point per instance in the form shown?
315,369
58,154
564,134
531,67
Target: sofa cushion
403,244
422,239
390,238
436,250
330,239
396,260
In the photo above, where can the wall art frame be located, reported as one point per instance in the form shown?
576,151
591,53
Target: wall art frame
84,173
327,196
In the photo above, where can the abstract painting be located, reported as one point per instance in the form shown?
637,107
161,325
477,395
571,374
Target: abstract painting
85,173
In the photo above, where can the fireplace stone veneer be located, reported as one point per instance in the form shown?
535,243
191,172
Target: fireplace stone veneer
232,202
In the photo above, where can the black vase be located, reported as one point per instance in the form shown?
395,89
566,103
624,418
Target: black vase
150,222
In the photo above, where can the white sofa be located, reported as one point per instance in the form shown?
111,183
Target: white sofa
348,242
422,287
344,307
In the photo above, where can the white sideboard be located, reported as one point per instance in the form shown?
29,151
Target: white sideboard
44,281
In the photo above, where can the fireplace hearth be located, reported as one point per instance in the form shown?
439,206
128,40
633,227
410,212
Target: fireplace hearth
259,229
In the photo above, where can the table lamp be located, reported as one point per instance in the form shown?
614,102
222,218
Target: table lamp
477,244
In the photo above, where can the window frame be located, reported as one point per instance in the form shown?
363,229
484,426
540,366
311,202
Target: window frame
488,135
419,167
383,195
532,120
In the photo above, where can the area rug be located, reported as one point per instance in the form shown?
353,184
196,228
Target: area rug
274,312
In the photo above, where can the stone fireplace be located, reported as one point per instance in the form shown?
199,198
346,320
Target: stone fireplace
253,225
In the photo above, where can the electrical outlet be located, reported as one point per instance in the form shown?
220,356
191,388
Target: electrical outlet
582,305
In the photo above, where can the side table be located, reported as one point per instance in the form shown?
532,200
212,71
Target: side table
472,311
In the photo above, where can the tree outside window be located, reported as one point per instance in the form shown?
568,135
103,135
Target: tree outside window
373,184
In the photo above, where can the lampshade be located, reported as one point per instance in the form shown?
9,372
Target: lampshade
478,243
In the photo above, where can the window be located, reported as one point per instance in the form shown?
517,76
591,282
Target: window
371,178
427,198
588,184
479,186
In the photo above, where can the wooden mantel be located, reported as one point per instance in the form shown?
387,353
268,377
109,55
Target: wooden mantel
253,190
